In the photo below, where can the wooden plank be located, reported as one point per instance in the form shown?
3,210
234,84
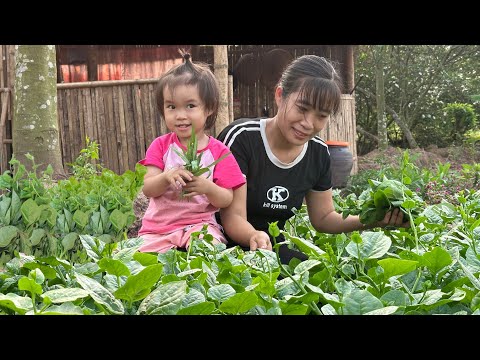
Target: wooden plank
129,128
111,133
70,129
61,122
101,127
104,83
147,131
88,113
4,101
151,105
80,140
116,145
138,116
2,79
10,68
123,131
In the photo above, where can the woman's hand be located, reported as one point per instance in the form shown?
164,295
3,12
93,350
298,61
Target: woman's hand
394,218
260,240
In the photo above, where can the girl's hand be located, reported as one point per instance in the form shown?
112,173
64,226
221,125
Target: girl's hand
198,185
260,240
177,176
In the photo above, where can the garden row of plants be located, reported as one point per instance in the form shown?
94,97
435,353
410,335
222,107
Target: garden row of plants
432,267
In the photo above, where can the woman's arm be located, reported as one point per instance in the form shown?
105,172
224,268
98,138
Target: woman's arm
324,218
234,221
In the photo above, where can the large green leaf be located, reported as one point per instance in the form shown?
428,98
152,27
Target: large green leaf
373,246
393,267
436,259
204,308
64,309
360,302
7,234
114,267
221,292
165,299
17,303
139,286
58,296
100,294
239,303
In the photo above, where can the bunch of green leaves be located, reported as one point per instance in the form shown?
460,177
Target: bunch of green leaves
382,196
193,159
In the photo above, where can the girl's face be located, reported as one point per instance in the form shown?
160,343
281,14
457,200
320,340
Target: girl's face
183,109
297,120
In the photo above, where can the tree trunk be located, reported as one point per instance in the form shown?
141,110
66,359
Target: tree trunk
220,61
401,124
35,125
378,53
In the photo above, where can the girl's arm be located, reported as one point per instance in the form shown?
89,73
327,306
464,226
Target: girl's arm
234,221
324,218
218,196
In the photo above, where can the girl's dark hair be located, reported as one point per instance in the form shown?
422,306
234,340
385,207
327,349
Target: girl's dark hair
189,73
316,80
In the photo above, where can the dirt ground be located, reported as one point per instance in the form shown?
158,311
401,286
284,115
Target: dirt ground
423,158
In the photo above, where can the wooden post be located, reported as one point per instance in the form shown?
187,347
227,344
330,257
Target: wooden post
230,98
348,69
220,67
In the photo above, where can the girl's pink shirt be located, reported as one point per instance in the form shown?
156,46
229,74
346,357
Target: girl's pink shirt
168,212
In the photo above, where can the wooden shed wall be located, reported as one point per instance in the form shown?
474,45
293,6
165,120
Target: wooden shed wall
122,118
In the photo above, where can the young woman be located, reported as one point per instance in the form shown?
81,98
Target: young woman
187,96
285,163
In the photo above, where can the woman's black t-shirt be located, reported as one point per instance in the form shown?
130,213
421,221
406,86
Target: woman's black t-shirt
273,187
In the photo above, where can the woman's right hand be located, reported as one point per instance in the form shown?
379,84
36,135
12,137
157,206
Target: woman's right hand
260,240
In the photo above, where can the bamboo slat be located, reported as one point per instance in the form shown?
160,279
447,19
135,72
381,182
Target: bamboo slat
89,113
123,130
139,125
5,100
101,128
129,128
111,133
79,140
230,98
72,130
138,117
2,80
150,111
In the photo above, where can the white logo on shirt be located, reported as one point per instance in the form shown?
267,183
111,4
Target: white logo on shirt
277,194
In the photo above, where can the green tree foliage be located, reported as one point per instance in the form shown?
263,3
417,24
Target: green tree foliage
420,81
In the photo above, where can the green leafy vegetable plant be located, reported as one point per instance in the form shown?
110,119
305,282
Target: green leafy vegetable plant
193,159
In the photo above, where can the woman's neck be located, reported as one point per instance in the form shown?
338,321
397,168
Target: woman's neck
285,151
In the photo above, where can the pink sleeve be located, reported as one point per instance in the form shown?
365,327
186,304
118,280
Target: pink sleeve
155,152
226,173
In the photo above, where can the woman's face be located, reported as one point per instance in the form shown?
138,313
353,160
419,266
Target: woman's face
298,121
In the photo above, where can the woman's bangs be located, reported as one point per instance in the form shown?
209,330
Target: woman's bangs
321,94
